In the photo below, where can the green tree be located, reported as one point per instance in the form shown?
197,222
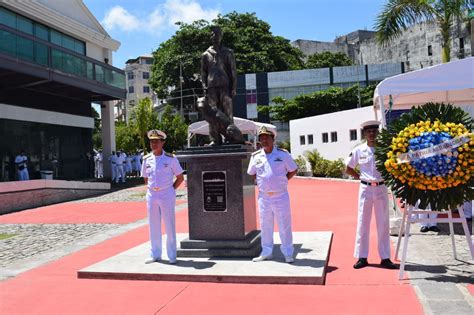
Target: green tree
126,137
322,102
142,119
398,15
256,49
97,132
328,59
175,128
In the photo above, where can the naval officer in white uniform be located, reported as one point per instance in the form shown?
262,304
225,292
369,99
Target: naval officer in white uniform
273,167
372,194
158,169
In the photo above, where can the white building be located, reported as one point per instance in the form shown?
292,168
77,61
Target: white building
138,72
333,135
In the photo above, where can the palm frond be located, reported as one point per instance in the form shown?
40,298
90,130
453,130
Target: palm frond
398,15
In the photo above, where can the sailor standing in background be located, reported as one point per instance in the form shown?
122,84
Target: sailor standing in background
113,162
158,169
21,162
372,194
120,171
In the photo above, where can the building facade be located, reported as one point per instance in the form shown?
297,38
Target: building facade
55,60
137,74
417,47
258,89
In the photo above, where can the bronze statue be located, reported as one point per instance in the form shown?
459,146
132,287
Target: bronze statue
219,81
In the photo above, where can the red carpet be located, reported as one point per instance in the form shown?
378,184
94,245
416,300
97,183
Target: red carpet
317,205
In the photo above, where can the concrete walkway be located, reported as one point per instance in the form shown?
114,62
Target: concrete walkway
47,283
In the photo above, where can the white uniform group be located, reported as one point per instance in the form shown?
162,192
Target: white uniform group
273,200
161,197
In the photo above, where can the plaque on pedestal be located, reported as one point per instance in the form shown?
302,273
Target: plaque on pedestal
221,203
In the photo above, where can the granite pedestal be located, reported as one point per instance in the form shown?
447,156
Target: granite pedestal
221,203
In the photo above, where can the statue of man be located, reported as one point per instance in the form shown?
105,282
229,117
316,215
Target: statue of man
219,81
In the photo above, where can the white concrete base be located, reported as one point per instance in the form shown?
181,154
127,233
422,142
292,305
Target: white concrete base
311,259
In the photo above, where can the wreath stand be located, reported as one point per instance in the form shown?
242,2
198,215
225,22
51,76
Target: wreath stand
409,218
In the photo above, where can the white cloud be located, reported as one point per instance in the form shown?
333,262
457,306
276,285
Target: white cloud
187,11
155,20
163,16
118,17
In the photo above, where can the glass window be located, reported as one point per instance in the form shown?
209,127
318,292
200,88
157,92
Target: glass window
148,61
334,136
310,139
7,17
25,25
325,137
130,76
56,38
353,134
67,42
24,48
41,54
146,75
99,73
56,59
302,140
146,89
41,31
251,96
131,89
430,50
79,47
7,43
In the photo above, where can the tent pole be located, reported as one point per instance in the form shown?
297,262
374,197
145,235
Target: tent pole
382,111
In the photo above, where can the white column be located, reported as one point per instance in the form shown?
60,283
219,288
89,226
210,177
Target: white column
108,134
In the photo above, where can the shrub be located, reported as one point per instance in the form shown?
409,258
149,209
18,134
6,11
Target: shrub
324,168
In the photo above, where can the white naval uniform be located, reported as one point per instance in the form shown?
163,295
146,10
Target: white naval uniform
370,197
424,216
273,198
99,170
119,167
113,168
20,162
128,164
137,162
161,198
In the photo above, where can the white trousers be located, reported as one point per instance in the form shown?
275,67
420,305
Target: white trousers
23,174
278,207
99,171
113,170
372,197
160,205
431,216
119,172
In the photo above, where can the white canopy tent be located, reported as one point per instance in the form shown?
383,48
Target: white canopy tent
451,82
246,127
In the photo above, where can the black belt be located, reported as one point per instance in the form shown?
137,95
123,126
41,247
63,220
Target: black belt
373,183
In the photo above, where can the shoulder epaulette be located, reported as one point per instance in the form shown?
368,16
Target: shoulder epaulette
169,154
284,150
148,155
256,152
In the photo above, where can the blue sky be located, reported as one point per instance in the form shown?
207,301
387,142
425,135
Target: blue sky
141,25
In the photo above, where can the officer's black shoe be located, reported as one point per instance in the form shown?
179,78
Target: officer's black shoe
361,263
434,229
387,263
424,229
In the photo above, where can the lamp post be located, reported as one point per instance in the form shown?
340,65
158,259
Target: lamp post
181,89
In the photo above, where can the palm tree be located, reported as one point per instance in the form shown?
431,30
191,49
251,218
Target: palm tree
398,15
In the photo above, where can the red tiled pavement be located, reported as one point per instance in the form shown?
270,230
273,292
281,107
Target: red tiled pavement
317,205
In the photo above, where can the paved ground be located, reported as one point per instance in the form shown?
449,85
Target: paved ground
76,234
